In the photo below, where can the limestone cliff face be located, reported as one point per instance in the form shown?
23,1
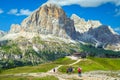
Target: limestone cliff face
15,28
104,34
83,26
48,19
107,36
96,33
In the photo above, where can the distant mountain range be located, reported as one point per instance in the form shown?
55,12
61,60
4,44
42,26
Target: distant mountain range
48,34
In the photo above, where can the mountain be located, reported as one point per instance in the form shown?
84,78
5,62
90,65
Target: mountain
48,19
94,32
45,35
83,26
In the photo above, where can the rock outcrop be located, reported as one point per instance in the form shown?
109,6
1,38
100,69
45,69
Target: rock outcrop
15,28
96,33
83,26
104,34
48,19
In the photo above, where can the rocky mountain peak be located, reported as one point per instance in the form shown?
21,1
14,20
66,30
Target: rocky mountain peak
49,4
83,26
77,19
48,19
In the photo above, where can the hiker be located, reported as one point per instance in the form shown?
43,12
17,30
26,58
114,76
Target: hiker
71,69
67,70
79,72
54,70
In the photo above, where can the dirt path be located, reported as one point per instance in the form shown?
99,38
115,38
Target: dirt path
75,62
56,69
85,76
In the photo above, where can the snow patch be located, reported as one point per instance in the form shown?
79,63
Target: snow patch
35,48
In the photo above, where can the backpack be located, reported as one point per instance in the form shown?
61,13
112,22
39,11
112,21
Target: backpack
79,70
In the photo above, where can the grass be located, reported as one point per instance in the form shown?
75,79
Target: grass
29,69
39,68
93,64
28,78
110,63
64,61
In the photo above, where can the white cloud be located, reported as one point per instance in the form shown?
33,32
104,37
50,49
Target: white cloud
1,11
117,12
25,12
117,29
84,3
13,11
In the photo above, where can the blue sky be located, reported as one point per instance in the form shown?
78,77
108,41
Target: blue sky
106,11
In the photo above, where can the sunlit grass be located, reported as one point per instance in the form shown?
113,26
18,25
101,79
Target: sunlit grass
93,64
64,61
39,68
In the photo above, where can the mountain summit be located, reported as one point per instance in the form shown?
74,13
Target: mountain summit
48,19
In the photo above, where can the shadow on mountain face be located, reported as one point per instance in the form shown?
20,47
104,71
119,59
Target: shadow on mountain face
100,34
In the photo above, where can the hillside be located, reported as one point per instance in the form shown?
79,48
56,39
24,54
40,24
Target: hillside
95,67
22,51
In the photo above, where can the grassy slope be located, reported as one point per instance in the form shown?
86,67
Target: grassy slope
40,68
29,69
92,64
64,61
111,64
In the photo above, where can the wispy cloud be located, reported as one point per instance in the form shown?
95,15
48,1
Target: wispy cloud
84,3
13,11
117,12
1,11
117,29
25,12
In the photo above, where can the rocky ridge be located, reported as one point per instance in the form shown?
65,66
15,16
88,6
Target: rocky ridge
83,26
48,19
96,33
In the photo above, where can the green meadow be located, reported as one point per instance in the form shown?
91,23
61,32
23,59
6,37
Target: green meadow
92,64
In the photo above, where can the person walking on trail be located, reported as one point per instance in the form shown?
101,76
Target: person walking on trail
54,70
79,71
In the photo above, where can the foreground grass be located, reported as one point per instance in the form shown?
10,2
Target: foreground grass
93,64
27,78
39,68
